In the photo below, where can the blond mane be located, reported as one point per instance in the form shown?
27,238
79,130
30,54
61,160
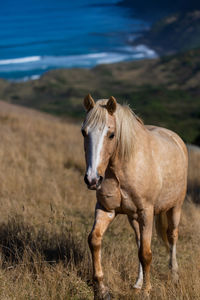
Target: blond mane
126,124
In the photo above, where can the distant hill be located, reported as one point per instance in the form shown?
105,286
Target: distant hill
163,91
176,24
159,7
175,33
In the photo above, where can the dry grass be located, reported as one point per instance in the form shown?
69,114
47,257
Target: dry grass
194,172
47,212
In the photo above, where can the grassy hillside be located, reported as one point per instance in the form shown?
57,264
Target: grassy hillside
163,92
47,212
194,173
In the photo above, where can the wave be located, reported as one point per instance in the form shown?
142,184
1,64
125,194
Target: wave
39,64
20,60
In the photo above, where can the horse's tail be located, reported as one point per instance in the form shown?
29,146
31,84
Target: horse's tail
161,223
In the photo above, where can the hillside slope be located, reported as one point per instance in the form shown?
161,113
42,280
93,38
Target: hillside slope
47,212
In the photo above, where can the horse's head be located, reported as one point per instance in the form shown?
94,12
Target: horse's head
99,132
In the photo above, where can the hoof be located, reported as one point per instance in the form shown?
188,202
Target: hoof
136,290
102,296
175,277
146,294
106,296
138,285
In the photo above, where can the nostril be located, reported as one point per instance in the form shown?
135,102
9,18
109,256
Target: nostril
86,180
99,181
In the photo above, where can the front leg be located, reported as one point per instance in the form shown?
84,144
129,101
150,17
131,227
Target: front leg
102,219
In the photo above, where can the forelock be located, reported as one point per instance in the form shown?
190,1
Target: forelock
97,117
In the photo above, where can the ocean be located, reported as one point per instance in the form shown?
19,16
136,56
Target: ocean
40,35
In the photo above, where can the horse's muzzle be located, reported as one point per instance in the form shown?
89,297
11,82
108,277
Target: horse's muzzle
93,184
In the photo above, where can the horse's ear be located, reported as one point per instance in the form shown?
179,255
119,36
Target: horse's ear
88,102
111,105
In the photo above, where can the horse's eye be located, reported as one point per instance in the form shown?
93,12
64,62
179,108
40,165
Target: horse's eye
111,136
83,132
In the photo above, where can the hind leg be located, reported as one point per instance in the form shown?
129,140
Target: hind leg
145,256
173,216
135,225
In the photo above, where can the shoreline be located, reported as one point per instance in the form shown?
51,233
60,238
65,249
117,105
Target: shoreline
128,53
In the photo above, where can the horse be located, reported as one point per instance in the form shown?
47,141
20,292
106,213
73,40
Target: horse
136,170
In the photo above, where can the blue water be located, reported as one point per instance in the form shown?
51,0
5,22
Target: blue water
39,35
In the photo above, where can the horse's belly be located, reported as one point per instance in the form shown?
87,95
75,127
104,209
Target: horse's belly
170,197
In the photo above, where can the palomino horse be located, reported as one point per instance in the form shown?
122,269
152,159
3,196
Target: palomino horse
136,170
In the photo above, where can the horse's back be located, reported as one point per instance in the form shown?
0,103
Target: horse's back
168,137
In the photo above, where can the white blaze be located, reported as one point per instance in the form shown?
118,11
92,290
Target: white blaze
96,137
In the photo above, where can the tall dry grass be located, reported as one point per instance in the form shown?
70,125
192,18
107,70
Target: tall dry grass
46,213
194,172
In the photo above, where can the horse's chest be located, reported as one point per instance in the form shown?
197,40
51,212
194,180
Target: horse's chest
111,201
113,197
109,195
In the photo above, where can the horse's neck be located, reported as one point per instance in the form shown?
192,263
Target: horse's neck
120,166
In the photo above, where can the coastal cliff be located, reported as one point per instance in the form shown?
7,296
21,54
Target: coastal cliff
175,33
